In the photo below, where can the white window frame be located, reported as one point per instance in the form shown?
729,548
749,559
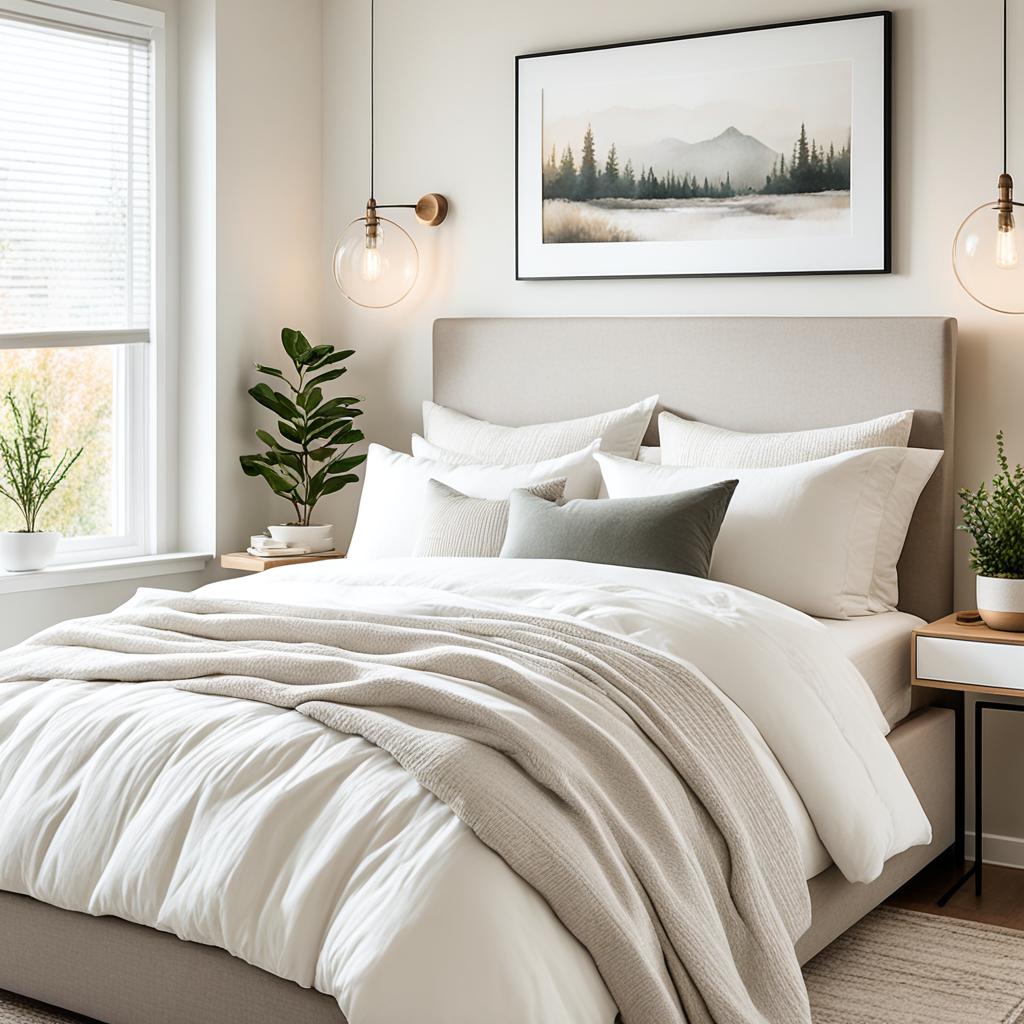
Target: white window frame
145,521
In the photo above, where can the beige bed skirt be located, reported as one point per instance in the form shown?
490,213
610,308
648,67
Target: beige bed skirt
124,973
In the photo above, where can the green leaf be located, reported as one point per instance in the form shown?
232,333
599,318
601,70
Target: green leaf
318,352
310,398
345,464
252,465
269,370
271,442
289,461
336,483
305,350
274,401
346,436
289,340
323,378
334,357
290,432
321,454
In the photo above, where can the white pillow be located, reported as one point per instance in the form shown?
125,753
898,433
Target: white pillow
690,443
423,449
649,454
619,431
822,536
395,492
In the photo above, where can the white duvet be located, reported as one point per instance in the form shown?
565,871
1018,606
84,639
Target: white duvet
314,856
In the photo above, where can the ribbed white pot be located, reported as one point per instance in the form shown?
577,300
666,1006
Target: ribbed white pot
25,552
316,538
1001,603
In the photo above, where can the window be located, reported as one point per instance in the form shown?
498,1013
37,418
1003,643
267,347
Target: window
78,234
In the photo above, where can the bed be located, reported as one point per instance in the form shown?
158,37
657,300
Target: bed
758,374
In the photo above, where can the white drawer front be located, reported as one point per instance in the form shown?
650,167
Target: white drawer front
966,661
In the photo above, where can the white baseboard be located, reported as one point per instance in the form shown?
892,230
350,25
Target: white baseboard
1006,851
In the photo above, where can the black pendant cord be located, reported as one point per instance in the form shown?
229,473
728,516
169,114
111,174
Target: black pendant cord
371,93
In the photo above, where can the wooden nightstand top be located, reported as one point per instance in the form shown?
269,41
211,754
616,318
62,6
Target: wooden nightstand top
968,657
244,562
949,629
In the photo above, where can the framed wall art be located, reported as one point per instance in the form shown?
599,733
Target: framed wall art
750,151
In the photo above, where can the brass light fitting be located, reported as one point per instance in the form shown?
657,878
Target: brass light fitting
376,261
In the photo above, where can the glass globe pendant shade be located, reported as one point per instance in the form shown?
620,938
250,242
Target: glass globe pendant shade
988,256
375,262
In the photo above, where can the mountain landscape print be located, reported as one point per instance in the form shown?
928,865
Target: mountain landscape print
737,155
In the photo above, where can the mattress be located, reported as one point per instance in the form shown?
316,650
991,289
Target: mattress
879,646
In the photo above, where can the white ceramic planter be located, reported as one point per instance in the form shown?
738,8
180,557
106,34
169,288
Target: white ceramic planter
316,538
1001,603
24,552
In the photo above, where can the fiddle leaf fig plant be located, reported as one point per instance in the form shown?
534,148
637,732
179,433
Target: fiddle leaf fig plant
311,457
995,519
28,473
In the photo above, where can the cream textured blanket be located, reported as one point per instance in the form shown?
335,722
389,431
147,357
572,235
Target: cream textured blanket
610,777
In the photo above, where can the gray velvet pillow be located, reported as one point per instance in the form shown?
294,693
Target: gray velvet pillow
671,532
456,525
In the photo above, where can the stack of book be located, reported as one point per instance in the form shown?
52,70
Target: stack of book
267,547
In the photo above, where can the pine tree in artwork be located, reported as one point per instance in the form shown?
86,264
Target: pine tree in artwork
565,183
586,185
609,185
550,173
627,182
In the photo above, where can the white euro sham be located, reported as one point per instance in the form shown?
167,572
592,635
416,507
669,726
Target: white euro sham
620,432
821,536
692,443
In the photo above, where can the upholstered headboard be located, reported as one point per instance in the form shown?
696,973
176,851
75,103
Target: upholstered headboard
744,373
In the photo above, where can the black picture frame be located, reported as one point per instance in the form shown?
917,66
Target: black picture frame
886,227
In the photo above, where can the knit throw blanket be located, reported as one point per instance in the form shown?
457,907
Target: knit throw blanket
612,778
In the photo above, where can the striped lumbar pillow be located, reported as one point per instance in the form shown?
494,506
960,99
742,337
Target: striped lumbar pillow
456,525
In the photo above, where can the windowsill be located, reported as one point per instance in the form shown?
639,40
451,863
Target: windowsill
79,574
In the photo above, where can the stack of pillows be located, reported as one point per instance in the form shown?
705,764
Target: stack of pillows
815,519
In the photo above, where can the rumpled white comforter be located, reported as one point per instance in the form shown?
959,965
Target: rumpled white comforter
314,856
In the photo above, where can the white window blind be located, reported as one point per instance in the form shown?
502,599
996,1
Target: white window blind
75,184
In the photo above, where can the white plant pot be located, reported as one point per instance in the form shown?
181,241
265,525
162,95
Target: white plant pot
1001,603
316,538
24,552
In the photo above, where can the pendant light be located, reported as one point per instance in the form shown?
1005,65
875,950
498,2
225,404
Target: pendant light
988,251
375,260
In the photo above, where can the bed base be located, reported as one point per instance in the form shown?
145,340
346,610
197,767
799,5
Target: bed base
123,973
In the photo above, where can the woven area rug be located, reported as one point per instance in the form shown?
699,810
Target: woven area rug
902,967
14,1010
895,967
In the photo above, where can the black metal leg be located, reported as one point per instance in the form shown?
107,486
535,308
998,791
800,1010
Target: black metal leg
979,707
960,799
960,808
976,868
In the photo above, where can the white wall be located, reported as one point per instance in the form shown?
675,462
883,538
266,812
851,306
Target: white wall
445,122
269,227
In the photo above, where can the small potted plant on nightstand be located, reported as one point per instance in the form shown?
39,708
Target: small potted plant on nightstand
28,477
311,456
995,519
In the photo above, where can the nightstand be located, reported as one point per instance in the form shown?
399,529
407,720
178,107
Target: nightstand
969,659
244,562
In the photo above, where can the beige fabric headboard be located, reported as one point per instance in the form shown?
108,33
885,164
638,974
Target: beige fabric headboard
745,373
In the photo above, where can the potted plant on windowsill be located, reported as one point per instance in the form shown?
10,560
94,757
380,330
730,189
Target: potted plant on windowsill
995,519
28,477
311,456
